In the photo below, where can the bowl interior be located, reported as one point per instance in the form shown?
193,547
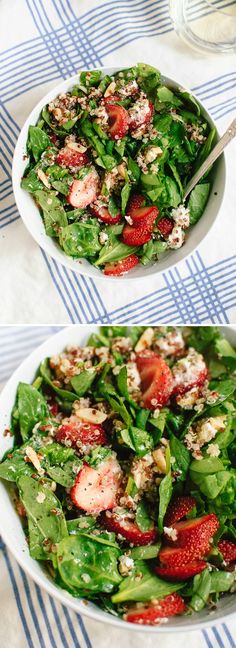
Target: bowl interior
10,525
33,221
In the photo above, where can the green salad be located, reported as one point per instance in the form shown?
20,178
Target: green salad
123,469
108,162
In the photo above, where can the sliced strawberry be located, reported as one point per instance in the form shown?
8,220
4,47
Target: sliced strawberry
96,490
118,121
193,538
181,572
141,231
71,158
197,530
140,113
83,192
123,526
151,614
178,509
104,215
77,434
180,556
165,226
156,379
228,550
145,215
135,202
120,267
190,371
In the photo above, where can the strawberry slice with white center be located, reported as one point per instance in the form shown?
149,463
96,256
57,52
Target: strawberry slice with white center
96,490
83,192
103,214
129,530
120,267
178,508
190,371
182,572
140,231
152,614
141,112
76,434
228,550
118,121
156,379
72,158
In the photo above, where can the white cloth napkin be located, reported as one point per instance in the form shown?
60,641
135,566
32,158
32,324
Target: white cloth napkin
43,41
32,619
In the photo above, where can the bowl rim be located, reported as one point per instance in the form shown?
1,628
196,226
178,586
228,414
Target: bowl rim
45,241
50,587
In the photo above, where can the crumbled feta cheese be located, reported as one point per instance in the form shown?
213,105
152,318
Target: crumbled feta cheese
170,344
126,565
189,399
86,578
186,371
142,471
133,376
129,89
140,109
176,238
40,497
110,90
156,412
213,450
103,238
207,428
151,153
171,533
181,216
145,341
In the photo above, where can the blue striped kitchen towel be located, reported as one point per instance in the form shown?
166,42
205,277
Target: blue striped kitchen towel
32,619
43,41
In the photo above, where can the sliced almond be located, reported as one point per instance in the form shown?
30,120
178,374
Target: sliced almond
33,457
145,340
44,178
122,170
75,146
90,415
160,460
110,89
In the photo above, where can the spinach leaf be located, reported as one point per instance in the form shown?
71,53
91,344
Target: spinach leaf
87,563
205,150
142,517
201,590
182,456
80,239
54,215
83,381
114,250
134,169
152,249
38,141
221,581
225,389
122,383
44,525
197,201
45,372
138,440
224,348
15,466
82,523
32,408
165,492
165,95
31,182
125,193
174,196
209,475
145,588
146,552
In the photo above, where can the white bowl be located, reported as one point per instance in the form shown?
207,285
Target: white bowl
33,221
10,525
